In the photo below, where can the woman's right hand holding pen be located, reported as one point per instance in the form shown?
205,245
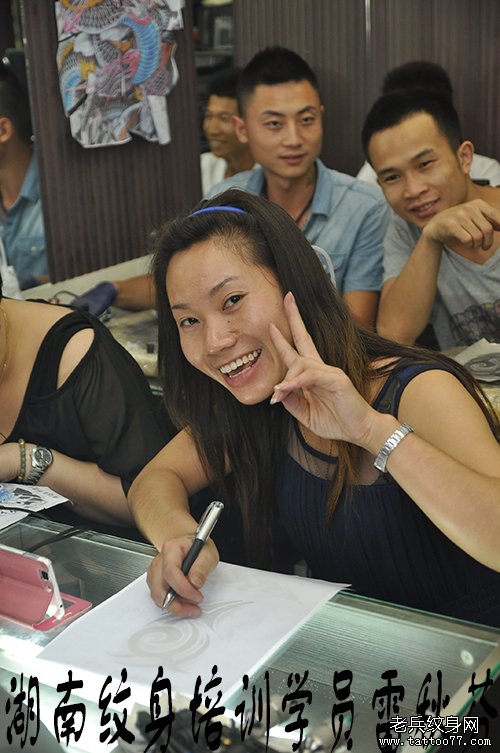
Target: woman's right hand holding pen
165,572
159,499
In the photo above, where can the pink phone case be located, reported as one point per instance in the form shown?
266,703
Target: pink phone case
29,593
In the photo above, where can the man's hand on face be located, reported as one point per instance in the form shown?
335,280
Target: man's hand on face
471,224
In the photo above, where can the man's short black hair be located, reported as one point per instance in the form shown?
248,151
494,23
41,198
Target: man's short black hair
418,74
391,109
14,99
223,84
271,66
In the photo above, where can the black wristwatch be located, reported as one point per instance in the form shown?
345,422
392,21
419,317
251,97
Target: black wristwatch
41,459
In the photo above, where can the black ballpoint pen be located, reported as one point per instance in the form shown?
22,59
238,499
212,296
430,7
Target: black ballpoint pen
205,528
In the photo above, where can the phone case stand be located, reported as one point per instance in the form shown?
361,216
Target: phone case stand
73,606
29,592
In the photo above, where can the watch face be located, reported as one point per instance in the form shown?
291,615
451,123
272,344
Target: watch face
41,457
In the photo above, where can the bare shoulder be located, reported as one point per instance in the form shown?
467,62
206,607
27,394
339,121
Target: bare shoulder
46,316
31,321
438,389
442,411
73,353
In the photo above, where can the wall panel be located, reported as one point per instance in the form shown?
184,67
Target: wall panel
330,35
460,35
351,44
100,205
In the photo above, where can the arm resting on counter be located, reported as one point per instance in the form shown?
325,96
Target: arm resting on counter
159,501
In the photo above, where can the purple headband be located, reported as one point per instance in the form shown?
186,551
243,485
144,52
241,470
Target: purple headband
218,209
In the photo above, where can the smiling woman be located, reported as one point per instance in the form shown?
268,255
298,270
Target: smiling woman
270,378
224,326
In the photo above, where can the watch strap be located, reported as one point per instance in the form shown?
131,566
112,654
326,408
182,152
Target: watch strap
38,469
390,445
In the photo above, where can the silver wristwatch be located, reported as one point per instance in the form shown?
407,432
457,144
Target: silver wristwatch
41,459
391,444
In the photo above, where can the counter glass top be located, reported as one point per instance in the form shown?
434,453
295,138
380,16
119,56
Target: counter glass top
350,651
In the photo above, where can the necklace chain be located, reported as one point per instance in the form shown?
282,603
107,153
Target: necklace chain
302,213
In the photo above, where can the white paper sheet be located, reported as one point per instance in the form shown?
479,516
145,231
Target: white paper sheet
247,614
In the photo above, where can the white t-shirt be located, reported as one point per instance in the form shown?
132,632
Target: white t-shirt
467,303
213,170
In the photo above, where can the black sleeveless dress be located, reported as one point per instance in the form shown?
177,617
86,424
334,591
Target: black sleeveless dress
104,413
379,540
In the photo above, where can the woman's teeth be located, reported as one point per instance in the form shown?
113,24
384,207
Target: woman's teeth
239,362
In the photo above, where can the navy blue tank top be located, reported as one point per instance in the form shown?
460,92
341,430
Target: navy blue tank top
379,540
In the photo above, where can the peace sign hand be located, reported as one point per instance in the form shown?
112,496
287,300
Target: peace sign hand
321,397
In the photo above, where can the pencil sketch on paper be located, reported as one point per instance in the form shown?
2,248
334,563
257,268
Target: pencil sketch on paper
175,640
246,615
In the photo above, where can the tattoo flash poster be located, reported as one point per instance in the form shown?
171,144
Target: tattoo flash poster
115,60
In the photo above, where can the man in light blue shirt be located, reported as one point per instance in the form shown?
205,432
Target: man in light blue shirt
23,233
344,219
21,221
281,120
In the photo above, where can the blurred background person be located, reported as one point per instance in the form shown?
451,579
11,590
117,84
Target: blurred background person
442,246
227,155
21,222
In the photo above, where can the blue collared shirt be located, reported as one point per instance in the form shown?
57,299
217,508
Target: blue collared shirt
22,231
348,219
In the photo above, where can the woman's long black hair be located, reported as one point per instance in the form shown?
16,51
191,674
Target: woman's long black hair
253,439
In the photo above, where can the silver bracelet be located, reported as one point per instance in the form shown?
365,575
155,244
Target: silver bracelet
391,444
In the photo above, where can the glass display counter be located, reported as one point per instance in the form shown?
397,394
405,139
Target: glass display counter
357,659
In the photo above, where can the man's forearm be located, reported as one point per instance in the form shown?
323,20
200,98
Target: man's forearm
363,306
406,300
136,293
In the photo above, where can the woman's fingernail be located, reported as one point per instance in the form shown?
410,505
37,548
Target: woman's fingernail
273,399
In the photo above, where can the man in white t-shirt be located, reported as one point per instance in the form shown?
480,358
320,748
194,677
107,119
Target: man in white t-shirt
442,246
227,155
422,74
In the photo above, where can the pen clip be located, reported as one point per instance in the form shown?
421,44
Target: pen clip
208,520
